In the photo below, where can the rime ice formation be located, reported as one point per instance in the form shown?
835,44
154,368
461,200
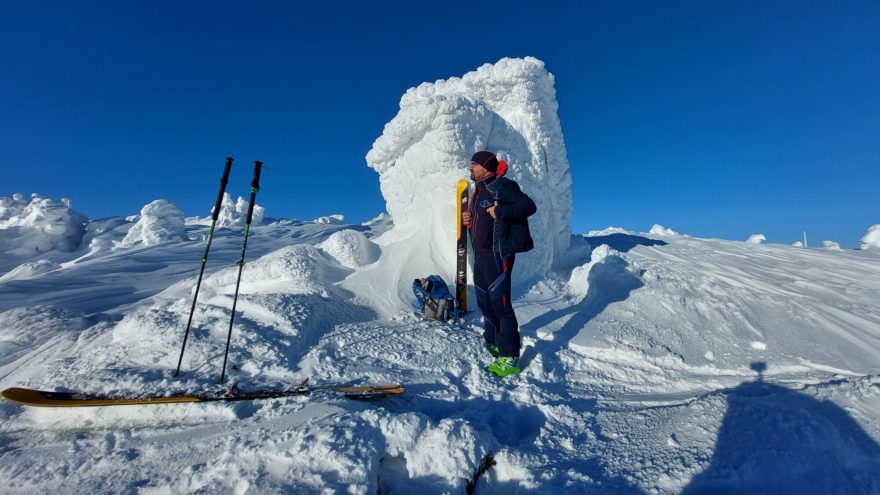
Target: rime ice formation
235,214
658,229
508,108
756,239
871,239
29,228
160,221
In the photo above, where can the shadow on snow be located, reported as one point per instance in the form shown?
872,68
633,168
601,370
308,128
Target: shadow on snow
777,440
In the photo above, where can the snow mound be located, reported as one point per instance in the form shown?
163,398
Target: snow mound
38,226
287,300
578,283
658,229
235,214
831,246
160,221
351,248
336,219
756,239
871,240
30,269
509,108
296,269
798,244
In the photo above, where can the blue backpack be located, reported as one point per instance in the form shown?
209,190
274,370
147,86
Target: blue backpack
434,298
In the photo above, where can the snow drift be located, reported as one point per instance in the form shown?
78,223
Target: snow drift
509,108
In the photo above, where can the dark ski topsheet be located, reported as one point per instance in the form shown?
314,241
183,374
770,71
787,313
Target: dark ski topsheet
30,397
461,248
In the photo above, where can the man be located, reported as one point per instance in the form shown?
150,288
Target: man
498,226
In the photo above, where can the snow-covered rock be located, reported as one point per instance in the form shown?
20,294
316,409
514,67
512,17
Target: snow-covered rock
756,239
871,240
160,221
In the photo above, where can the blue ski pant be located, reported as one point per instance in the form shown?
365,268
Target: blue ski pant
492,281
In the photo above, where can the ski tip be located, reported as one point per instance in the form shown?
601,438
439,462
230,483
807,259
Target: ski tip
22,396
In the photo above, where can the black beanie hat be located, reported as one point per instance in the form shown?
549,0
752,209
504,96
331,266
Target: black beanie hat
487,159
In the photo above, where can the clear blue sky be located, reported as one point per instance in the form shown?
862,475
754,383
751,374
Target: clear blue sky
718,119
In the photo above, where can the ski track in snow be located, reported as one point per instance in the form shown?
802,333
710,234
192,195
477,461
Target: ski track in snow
688,366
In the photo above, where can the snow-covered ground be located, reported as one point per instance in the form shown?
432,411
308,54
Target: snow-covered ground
659,364
654,362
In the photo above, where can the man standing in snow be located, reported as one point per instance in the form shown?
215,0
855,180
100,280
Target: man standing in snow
497,222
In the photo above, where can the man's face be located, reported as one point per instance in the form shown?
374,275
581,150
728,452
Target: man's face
478,173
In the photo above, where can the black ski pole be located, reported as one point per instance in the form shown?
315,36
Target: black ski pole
255,186
214,216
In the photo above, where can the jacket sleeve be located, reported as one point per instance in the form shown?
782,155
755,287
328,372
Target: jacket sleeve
517,205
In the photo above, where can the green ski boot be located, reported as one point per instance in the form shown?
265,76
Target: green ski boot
504,366
493,350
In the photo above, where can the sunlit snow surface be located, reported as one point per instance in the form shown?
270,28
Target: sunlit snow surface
655,364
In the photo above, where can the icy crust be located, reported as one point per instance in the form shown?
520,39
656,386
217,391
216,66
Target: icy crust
29,228
159,221
510,108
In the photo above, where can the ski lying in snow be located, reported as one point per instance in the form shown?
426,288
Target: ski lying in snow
461,196
39,398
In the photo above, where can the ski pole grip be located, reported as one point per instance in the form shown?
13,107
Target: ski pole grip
258,167
255,186
223,181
